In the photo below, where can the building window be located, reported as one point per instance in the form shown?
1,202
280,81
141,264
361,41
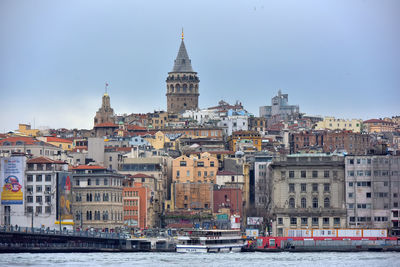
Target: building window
47,209
314,174
97,181
303,188
200,164
77,182
291,174
304,221
39,210
315,221
38,177
315,187
182,163
327,203
336,221
29,199
293,221
38,188
325,220
88,215
199,173
291,203
368,194
327,187
350,184
315,203
280,220
303,203
48,178
303,174
291,188
29,178
326,174
211,163
350,195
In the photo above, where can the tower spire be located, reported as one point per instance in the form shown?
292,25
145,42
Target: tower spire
106,88
182,35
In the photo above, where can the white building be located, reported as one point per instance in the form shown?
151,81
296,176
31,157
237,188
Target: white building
373,192
230,179
202,116
39,189
234,123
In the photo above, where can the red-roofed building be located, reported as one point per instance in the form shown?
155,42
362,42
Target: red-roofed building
31,146
64,144
105,129
379,126
44,160
43,191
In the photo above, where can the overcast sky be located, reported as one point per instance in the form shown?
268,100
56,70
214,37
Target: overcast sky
338,57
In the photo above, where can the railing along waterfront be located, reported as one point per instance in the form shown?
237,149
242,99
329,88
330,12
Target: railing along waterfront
42,231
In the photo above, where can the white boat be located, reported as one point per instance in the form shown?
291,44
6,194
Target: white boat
210,241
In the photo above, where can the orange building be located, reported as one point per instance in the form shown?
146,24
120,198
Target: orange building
64,144
196,132
135,199
239,136
195,170
379,126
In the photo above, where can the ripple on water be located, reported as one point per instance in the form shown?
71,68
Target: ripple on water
229,259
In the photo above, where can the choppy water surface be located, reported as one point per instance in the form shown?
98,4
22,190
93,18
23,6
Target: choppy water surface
361,259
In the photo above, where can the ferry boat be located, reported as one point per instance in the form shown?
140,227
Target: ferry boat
204,241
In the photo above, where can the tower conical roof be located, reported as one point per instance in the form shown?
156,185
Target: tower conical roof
182,61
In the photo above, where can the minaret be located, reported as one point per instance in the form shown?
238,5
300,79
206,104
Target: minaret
182,84
105,113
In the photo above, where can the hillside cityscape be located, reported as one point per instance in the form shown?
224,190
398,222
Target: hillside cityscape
218,167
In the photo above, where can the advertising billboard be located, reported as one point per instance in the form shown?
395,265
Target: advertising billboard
12,180
251,232
64,196
254,220
235,222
